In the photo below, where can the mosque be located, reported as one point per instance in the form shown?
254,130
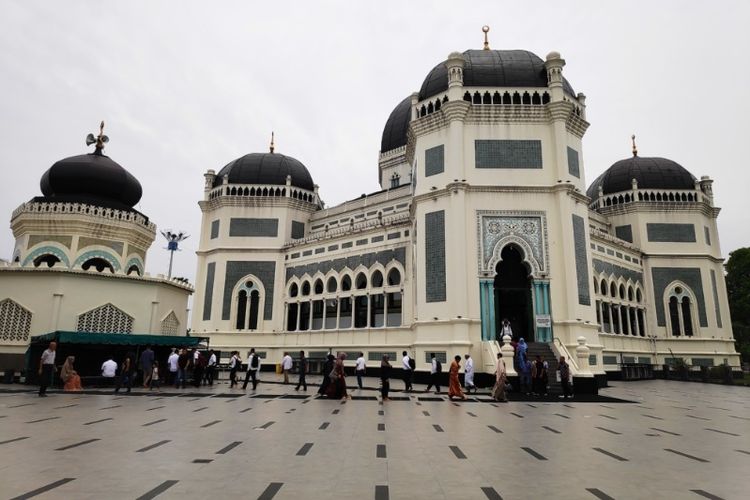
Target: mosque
484,216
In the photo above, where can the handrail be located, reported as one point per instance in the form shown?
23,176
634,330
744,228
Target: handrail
571,358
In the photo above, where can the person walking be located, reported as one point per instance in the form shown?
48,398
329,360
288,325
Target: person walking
211,368
69,376
253,365
337,387
435,370
302,371
498,391
235,365
327,370
564,370
469,374
199,367
126,374
538,374
406,367
286,366
47,368
524,370
147,363
183,363
521,348
385,377
454,386
360,368
172,363
155,380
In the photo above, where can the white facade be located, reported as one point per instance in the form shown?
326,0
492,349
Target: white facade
426,265
79,267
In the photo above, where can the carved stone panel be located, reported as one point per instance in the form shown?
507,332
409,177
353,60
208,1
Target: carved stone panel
526,229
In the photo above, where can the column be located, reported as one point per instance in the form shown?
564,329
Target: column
491,300
487,307
55,318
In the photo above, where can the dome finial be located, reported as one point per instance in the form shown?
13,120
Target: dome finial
635,149
100,139
485,30
272,147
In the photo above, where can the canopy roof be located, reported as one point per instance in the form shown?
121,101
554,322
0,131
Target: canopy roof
117,339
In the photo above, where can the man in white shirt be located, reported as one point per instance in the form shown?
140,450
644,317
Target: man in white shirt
211,368
46,368
286,366
435,369
173,366
253,367
469,374
360,368
407,369
109,368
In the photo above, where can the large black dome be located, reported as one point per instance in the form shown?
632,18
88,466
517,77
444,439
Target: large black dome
91,178
492,68
651,173
394,133
266,168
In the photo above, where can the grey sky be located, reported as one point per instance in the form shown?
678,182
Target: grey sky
188,86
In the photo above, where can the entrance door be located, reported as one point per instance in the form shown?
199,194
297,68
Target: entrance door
513,295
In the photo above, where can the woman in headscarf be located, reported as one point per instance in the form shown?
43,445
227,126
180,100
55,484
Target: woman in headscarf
69,375
385,375
498,392
337,387
454,386
327,369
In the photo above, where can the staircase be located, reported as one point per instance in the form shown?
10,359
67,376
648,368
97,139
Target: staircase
545,351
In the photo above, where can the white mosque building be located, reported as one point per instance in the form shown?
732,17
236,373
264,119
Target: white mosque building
485,214
79,259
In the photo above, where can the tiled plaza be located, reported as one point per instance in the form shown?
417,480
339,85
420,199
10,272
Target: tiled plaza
674,440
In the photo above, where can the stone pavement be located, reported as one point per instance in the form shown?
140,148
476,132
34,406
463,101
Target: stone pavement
677,440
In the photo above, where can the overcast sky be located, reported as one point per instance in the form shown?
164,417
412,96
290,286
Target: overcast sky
189,86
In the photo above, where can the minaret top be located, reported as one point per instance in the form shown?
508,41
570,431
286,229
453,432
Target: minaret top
485,30
272,146
635,149
100,140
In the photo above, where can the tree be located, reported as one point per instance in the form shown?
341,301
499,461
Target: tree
738,290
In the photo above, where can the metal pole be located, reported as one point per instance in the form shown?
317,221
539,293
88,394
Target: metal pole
171,256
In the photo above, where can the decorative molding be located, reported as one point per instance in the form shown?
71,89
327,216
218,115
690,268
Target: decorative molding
527,229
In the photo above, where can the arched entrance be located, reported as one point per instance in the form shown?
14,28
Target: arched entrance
512,287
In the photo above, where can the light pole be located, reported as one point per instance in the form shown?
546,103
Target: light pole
173,240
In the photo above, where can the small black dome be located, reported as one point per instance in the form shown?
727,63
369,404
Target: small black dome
91,178
266,168
651,173
492,68
394,133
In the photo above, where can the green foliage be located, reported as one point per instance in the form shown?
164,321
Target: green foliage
738,289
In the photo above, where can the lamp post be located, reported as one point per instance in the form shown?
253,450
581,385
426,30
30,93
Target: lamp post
173,241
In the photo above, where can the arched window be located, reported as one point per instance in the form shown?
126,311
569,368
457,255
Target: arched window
596,285
318,286
613,290
622,292
346,283
134,269
248,306
305,288
377,279
681,314
638,295
332,286
97,263
361,281
394,277
47,259
293,290
603,288
630,293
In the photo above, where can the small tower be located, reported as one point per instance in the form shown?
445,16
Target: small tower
554,65
455,66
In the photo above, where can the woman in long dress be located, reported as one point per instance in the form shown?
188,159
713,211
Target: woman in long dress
454,386
498,392
327,369
337,388
69,375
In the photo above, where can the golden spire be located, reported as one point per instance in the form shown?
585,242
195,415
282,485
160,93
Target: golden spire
635,149
272,147
485,30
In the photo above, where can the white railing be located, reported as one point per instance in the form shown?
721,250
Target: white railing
36,207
